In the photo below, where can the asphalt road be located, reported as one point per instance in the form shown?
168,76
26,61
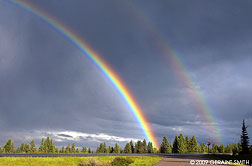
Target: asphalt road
188,160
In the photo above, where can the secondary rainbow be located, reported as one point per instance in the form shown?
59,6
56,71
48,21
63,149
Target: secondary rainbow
98,61
180,69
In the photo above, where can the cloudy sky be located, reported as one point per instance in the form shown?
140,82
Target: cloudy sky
49,88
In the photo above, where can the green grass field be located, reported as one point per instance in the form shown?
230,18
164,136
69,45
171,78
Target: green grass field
71,161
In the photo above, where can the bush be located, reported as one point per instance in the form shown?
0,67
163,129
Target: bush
119,161
90,162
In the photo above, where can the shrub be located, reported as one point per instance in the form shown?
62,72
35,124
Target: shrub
119,161
90,162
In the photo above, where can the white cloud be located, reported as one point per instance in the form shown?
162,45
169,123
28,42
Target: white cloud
77,136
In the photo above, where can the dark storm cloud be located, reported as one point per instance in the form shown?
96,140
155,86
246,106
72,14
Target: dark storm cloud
65,135
46,83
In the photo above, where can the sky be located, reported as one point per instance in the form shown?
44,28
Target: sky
49,88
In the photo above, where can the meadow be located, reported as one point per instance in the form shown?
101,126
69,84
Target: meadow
73,161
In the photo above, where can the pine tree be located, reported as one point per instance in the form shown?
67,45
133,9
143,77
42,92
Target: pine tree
138,147
24,148
132,146
104,147
170,148
227,149
1,150
181,144
51,147
202,147
84,150
193,145
221,148
244,139
164,147
144,146
214,149
187,143
41,147
67,149
63,149
175,145
108,150
235,150
47,145
127,148
116,149
56,150
72,150
9,147
77,150
150,148
89,150
33,147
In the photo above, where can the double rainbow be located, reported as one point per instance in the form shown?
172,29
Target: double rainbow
184,76
96,59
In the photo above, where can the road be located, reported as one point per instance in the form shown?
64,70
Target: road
188,160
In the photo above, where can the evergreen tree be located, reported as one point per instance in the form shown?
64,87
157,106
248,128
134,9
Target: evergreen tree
170,147
228,149
235,150
132,146
72,150
116,149
104,147
51,147
175,145
193,145
108,150
221,148
164,147
202,148
127,148
67,149
150,148
144,146
181,144
33,147
47,145
63,149
84,150
41,147
244,139
214,149
9,147
1,150
187,143
89,150
77,150
24,148
138,147
56,150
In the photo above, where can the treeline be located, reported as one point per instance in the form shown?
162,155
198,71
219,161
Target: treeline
138,147
180,144
46,146
183,144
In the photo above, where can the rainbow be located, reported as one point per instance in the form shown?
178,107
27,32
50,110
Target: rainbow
98,61
183,74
